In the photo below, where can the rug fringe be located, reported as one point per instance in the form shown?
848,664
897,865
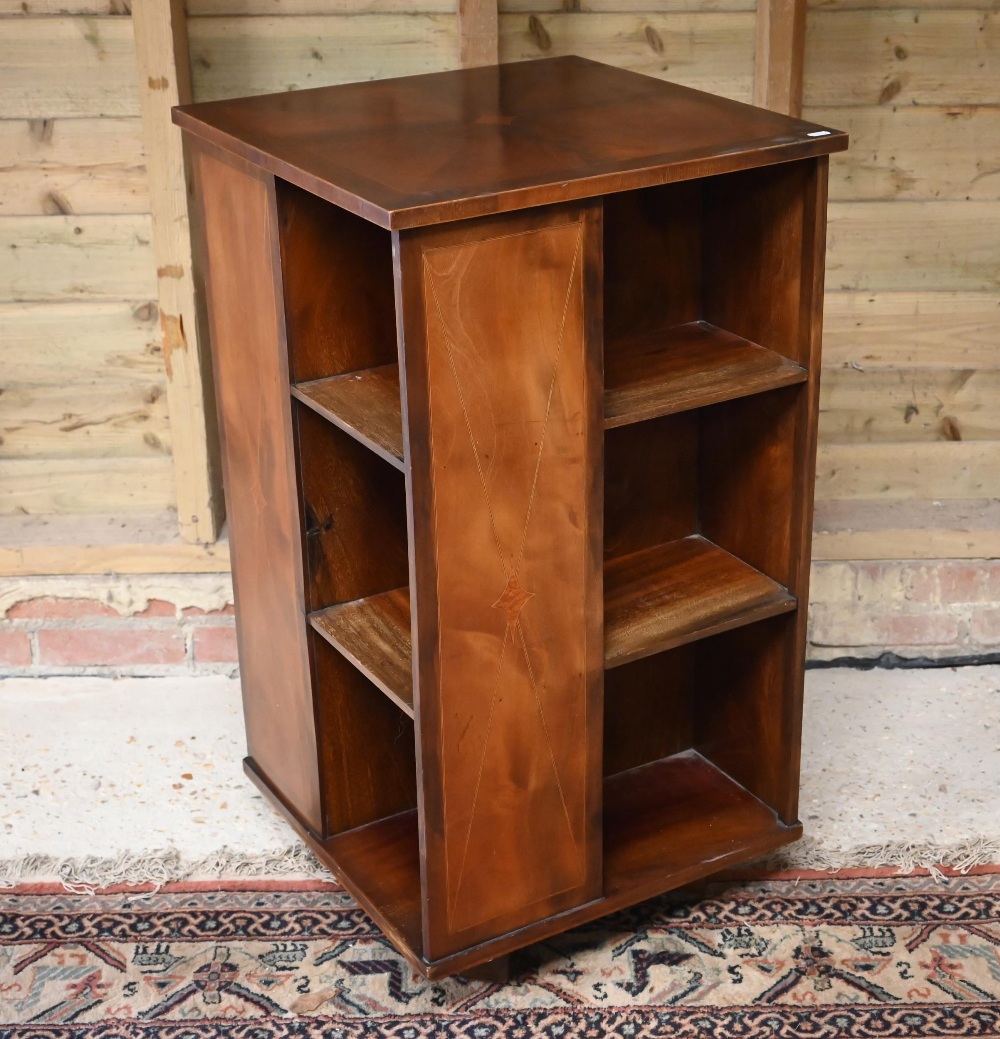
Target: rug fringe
813,854
295,861
84,875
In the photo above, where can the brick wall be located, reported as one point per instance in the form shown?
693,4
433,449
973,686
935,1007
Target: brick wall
118,627
934,609
185,625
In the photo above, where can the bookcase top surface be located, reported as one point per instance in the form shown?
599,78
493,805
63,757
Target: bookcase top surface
454,145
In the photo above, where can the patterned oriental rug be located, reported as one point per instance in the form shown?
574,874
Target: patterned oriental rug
853,955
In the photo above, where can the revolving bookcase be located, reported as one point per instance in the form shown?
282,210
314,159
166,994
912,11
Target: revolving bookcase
517,373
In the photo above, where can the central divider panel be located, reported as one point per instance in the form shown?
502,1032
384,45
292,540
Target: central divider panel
503,396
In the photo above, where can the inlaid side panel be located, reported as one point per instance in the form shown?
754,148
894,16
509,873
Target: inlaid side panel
501,322
250,361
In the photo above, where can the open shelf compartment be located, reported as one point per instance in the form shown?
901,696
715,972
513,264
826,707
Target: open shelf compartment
654,841
655,599
365,404
663,371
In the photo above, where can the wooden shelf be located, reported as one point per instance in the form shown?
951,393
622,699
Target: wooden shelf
365,404
653,600
374,634
655,839
656,373
664,818
683,590
663,371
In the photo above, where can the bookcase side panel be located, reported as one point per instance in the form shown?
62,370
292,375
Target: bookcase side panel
501,332
239,245
750,716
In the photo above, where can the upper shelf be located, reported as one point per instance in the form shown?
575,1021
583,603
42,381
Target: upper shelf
374,634
365,404
653,600
648,375
660,372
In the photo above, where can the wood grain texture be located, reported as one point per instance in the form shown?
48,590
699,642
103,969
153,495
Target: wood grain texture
57,258
871,57
932,246
958,529
420,150
478,38
374,634
779,53
354,515
688,589
749,711
509,656
72,67
237,56
650,483
85,485
942,330
240,241
123,543
364,404
116,419
339,306
907,471
658,811
74,342
909,404
655,825
72,166
916,152
366,744
708,50
688,366
164,80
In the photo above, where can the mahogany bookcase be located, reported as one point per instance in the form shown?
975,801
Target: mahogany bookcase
517,373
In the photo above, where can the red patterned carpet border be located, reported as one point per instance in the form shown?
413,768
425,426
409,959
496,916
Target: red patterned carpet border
861,956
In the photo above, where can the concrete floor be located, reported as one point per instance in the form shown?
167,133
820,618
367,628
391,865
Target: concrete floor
896,765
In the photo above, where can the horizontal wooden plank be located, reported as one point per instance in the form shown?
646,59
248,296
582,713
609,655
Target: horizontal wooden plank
666,370
915,152
677,592
125,543
56,166
908,5
76,257
72,343
902,57
909,404
912,329
231,57
320,7
899,245
944,469
77,67
84,420
30,8
710,51
365,404
374,635
623,6
907,530
81,485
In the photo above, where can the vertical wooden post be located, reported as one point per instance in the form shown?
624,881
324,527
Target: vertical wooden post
478,33
165,80
778,61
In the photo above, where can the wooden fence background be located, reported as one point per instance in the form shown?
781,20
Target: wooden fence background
909,419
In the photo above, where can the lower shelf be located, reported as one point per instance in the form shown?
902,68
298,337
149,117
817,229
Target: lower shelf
665,824
654,600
